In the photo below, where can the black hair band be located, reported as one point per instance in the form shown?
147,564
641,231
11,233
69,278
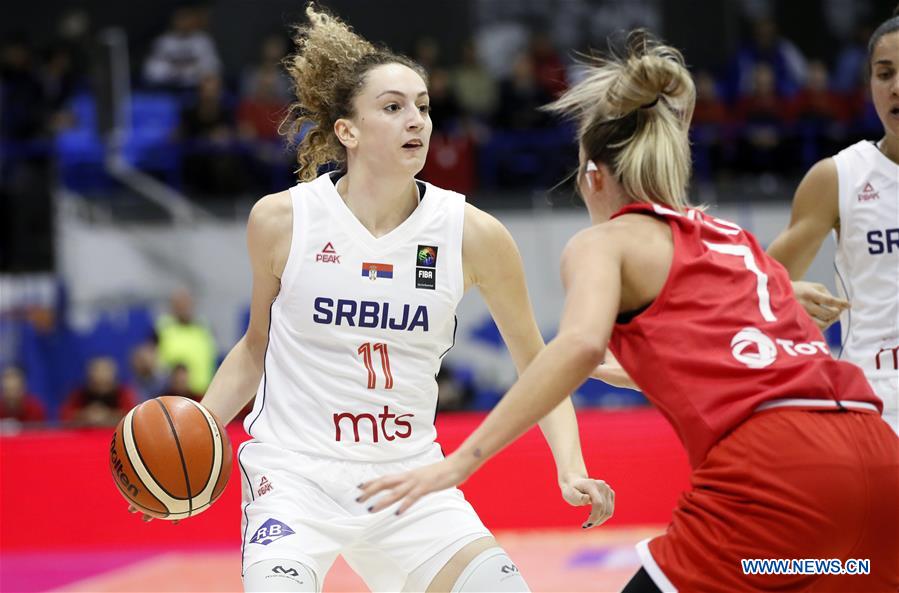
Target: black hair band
650,105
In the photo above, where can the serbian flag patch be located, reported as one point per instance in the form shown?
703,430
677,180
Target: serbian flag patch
374,271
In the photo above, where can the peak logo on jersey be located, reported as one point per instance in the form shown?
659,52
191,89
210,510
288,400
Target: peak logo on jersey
868,193
427,256
374,271
369,314
425,267
264,486
270,531
328,255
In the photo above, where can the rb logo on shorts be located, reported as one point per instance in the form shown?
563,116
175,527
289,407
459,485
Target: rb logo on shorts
270,531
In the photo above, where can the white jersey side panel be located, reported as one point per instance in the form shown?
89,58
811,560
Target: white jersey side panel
867,259
359,329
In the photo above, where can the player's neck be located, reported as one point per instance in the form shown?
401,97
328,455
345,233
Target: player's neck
889,146
379,202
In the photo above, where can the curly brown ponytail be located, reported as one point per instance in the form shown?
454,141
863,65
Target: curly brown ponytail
328,70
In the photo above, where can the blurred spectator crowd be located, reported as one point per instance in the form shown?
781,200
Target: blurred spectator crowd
215,133
92,378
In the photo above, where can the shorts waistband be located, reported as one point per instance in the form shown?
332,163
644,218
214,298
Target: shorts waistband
823,404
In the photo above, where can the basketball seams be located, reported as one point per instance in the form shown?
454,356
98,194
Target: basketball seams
190,496
133,434
146,478
217,464
144,468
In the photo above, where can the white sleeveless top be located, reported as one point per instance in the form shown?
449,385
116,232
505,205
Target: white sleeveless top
359,328
867,258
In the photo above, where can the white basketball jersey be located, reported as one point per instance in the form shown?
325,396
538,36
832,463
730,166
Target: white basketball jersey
359,328
867,259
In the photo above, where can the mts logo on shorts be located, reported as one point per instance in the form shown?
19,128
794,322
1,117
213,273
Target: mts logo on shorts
270,531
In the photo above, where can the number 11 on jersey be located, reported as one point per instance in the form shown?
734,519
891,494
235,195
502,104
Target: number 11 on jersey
380,347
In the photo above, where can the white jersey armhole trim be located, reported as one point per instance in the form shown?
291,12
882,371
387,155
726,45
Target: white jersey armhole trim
297,241
652,569
843,182
459,280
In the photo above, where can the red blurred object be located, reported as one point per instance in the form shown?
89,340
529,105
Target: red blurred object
56,491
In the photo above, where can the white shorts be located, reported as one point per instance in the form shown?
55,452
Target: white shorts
303,508
887,389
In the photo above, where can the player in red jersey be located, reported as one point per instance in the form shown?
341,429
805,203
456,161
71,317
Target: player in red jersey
790,457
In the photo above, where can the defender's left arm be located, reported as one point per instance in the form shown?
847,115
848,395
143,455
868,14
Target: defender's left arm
501,282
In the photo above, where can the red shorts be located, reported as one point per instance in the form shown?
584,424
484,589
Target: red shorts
787,484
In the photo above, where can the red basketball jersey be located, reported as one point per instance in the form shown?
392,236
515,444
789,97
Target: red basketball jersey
725,335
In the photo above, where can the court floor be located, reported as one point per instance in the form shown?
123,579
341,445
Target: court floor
571,560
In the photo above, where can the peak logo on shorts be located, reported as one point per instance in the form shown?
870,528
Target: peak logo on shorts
271,530
264,486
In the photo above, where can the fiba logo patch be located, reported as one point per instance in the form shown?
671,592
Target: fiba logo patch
427,256
753,348
425,267
270,531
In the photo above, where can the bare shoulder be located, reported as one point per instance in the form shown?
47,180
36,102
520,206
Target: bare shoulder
625,233
482,234
270,230
821,182
273,212
481,226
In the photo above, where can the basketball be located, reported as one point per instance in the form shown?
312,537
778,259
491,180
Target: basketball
170,458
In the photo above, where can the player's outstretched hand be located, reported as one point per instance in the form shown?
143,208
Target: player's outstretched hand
147,518
410,486
579,491
823,307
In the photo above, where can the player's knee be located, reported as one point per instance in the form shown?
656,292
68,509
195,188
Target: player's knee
491,570
279,575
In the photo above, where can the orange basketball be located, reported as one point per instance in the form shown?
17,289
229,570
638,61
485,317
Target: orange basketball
170,457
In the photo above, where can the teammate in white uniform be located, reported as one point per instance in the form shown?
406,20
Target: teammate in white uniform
356,277
856,194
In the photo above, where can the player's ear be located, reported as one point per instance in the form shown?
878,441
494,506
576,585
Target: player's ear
346,132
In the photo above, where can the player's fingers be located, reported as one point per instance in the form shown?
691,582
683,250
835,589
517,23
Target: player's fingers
146,518
602,504
131,509
608,506
823,313
369,489
410,499
391,497
828,300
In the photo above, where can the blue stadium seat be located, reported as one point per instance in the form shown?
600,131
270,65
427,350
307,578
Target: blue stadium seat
150,144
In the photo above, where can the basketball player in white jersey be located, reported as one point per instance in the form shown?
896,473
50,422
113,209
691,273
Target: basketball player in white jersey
856,194
356,278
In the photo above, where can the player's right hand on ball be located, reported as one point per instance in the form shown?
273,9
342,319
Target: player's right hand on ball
147,518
